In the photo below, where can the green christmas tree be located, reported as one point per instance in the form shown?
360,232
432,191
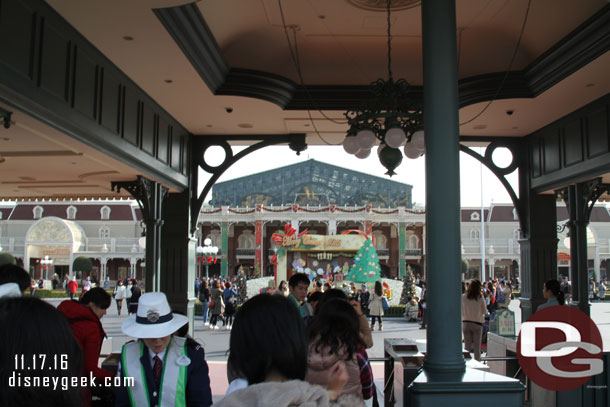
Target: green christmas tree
408,288
366,265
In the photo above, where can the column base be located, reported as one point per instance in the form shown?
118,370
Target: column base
474,389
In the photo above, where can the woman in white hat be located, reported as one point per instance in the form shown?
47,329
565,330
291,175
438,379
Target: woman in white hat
168,370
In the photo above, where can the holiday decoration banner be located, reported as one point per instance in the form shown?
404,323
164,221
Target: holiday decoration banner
322,242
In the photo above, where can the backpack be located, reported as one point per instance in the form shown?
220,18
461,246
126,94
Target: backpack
500,296
384,303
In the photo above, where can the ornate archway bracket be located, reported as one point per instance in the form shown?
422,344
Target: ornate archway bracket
200,144
149,195
591,191
514,146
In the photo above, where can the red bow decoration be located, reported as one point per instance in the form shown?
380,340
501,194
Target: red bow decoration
278,238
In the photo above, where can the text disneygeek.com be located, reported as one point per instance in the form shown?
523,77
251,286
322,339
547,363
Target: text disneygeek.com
64,382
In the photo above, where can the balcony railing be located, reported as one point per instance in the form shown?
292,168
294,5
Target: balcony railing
244,252
412,252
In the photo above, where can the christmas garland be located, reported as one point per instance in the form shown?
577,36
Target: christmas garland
415,212
212,211
300,208
276,210
241,212
352,210
385,212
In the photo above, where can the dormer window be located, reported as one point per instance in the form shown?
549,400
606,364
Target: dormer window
105,212
71,212
38,212
475,216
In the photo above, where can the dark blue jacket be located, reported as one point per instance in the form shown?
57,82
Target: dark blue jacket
198,391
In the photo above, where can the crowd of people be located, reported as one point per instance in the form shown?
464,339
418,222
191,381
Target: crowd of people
311,345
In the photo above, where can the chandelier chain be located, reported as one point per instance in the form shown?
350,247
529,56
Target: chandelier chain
389,7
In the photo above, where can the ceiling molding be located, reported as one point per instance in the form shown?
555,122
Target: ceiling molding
257,84
192,34
584,44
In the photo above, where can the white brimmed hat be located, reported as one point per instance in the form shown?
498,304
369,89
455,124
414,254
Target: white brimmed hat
154,318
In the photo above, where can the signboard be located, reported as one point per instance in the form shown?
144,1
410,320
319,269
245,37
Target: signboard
322,242
503,323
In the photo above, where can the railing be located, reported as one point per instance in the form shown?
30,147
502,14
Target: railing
244,252
493,247
412,252
383,252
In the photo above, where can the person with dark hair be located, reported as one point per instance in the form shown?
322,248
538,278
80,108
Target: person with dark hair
473,317
136,292
119,295
365,330
274,374
334,338
11,273
217,305
313,299
376,306
35,329
229,297
283,289
85,320
204,297
168,370
553,294
298,286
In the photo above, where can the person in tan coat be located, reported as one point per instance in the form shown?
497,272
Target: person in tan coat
473,317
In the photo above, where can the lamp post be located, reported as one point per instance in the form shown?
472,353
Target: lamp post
46,263
207,254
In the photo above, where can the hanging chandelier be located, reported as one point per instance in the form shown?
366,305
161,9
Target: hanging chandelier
392,116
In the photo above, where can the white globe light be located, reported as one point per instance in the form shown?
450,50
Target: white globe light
363,153
142,242
418,141
395,137
214,250
207,241
366,139
350,145
411,152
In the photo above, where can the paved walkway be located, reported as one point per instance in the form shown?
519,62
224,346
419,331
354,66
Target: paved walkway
216,343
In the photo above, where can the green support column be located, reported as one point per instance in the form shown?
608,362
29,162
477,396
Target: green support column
445,379
178,255
444,337
224,260
402,242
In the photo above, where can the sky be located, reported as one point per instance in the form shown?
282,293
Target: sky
411,172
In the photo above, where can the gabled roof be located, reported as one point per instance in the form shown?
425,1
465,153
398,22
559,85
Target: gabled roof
467,214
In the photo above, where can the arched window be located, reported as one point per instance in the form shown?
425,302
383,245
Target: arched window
38,212
381,242
246,240
413,242
104,232
475,234
475,216
71,212
215,237
516,234
105,212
